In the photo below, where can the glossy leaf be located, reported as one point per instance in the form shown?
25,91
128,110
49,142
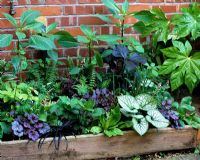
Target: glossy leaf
5,40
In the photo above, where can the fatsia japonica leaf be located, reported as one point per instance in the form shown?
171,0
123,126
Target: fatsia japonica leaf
157,119
5,40
141,126
183,67
187,22
153,22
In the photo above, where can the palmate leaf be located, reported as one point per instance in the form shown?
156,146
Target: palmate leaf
153,21
5,40
183,67
157,119
187,22
140,126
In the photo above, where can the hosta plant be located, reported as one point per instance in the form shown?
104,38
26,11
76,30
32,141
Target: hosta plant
143,111
182,65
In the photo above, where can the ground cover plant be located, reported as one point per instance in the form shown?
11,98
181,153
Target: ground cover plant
124,86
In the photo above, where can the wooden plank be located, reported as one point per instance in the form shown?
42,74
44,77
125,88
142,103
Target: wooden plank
99,146
198,138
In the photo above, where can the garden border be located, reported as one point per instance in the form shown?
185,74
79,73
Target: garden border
99,146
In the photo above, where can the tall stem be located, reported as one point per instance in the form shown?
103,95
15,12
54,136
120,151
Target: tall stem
122,30
90,52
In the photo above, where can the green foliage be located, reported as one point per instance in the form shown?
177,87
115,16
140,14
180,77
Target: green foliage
4,71
120,14
187,112
182,65
188,22
5,40
110,124
143,110
43,76
153,22
13,92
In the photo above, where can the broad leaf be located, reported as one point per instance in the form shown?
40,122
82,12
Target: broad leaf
5,40
65,39
41,43
11,19
112,6
53,55
157,119
128,103
104,18
146,102
188,22
140,126
113,132
183,67
28,17
51,27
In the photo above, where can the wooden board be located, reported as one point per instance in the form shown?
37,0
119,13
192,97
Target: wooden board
99,146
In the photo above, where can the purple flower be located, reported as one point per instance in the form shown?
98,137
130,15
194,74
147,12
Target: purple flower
33,135
17,129
45,128
38,125
27,125
33,118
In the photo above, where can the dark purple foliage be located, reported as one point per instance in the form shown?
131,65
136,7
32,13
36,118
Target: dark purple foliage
30,126
170,114
131,61
102,97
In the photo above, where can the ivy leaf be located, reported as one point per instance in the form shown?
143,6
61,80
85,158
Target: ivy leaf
5,40
141,126
157,119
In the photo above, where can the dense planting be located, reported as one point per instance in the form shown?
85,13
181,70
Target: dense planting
124,86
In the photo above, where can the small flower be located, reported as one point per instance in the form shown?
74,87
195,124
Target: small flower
38,125
17,129
33,118
27,125
45,129
33,135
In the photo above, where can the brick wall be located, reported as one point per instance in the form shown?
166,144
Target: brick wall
71,13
